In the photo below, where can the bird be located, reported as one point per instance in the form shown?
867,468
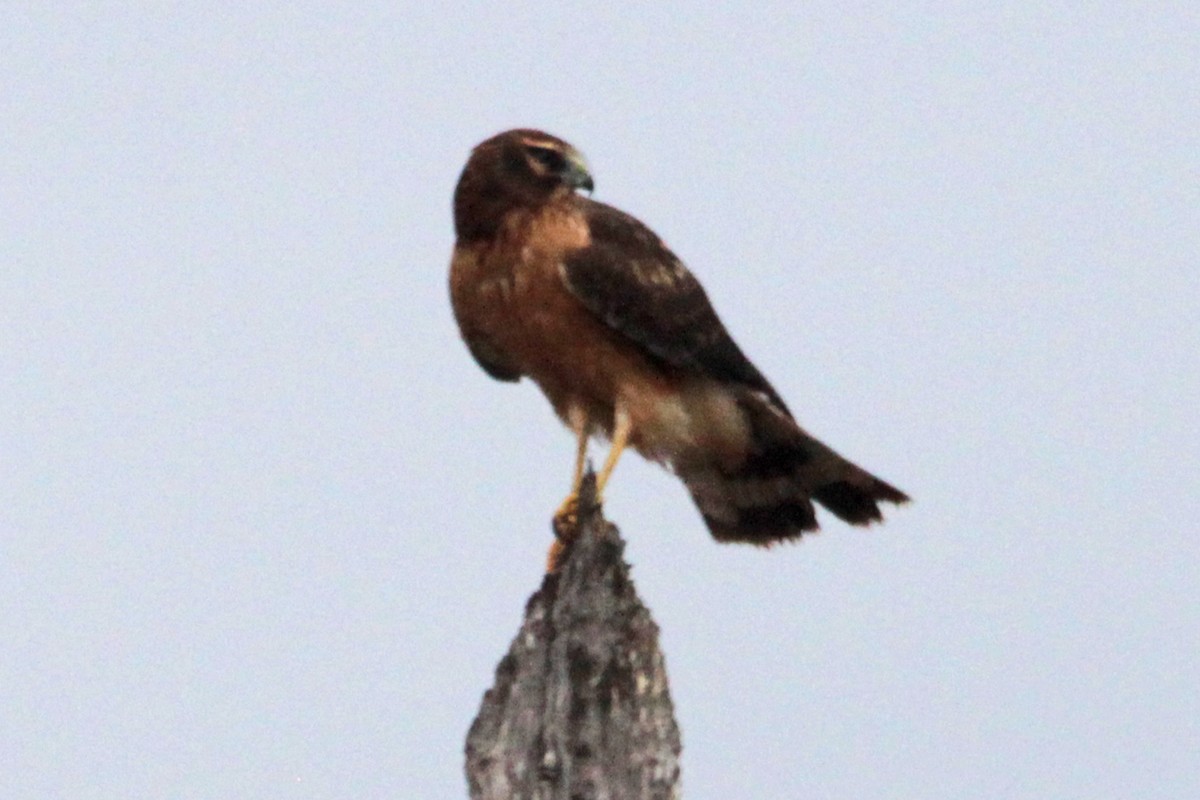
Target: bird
590,304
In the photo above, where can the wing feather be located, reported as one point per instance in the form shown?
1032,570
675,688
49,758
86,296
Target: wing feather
629,279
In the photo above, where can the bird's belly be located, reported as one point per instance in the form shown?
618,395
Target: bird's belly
578,361
582,364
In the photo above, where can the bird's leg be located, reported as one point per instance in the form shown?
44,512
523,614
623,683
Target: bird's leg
622,426
567,516
579,423
566,519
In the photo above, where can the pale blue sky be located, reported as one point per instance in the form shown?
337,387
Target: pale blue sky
265,528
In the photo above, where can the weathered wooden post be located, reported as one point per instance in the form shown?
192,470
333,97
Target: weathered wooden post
580,708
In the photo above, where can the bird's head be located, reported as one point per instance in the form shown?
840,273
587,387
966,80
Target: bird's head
518,168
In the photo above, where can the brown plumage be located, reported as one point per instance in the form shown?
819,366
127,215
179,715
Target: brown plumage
587,302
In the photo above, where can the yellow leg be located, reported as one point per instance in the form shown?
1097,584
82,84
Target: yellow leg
567,515
566,519
620,439
579,424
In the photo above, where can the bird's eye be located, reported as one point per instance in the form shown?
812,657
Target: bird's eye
548,157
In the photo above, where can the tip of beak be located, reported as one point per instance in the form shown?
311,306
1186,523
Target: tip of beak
579,176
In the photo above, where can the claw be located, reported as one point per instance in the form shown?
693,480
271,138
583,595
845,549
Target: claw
566,518
566,527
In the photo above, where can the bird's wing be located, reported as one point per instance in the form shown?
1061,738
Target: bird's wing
629,279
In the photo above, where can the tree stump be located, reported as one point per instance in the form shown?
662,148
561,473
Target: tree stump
580,708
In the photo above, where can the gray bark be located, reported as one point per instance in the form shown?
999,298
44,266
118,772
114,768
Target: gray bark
580,708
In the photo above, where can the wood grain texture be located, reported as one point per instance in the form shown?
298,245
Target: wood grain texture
580,708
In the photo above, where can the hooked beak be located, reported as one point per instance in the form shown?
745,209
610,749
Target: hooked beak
577,175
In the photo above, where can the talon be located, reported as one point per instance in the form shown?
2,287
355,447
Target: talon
566,528
566,519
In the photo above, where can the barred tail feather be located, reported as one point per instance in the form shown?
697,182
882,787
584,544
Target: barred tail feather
769,496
